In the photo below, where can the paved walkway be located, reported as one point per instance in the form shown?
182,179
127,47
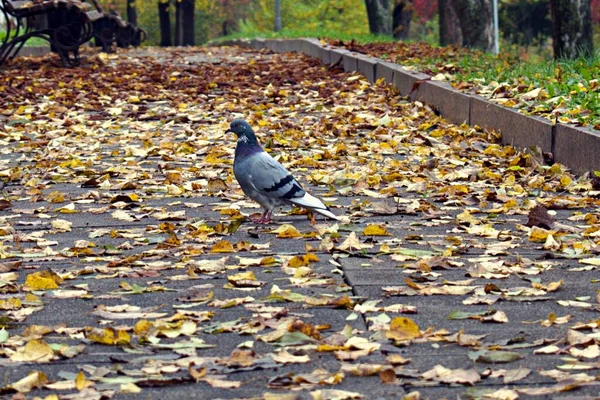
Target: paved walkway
125,272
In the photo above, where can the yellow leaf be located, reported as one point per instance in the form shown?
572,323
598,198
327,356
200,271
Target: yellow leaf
34,351
43,280
130,388
81,382
222,247
249,276
36,379
538,234
352,243
287,231
108,336
12,303
61,225
402,328
142,327
375,230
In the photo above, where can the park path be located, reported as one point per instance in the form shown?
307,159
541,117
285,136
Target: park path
127,272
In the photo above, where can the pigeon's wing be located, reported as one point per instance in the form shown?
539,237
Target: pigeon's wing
272,180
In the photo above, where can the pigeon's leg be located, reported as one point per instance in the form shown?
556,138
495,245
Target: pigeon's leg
265,218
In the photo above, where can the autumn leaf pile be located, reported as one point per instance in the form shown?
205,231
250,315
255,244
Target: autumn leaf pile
129,267
564,91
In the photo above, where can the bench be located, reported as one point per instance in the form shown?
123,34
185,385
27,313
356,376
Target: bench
65,24
111,29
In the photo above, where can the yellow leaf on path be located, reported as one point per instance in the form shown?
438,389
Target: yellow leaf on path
551,349
122,216
402,328
221,383
283,357
222,247
539,235
440,373
592,351
34,351
287,231
81,382
591,261
334,394
249,276
375,230
129,388
61,225
12,303
108,336
36,379
352,243
42,280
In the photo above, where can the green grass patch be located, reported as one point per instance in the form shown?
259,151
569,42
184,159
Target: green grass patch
570,89
290,33
31,42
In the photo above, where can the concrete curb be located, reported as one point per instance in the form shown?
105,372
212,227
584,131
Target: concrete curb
576,147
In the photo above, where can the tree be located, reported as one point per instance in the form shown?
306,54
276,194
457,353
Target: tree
571,28
476,24
449,26
184,23
401,16
164,22
378,13
131,12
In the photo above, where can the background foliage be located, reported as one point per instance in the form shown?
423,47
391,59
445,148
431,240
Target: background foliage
524,24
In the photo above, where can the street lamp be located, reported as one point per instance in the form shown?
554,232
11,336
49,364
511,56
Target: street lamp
277,15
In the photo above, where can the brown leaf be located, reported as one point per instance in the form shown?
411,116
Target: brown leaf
538,216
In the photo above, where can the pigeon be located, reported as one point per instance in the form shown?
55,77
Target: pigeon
265,180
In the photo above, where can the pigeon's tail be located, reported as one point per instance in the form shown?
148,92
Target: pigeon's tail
314,204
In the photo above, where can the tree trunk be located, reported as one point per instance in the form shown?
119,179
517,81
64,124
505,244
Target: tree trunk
378,13
403,10
476,24
571,28
131,12
449,25
188,23
165,23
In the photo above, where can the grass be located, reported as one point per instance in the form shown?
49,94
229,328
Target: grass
319,33
570,88
569,92
31,42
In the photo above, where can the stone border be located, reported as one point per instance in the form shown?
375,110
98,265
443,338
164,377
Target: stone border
576,147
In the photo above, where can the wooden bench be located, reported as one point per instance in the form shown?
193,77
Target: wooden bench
65,24
112,29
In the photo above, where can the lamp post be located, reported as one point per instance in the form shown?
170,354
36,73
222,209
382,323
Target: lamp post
496,35
277,15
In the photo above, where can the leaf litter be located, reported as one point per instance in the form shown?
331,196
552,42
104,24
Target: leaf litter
124,233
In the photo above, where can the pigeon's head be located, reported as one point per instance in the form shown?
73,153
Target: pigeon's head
243,130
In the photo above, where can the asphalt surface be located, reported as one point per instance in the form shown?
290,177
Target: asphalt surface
364,276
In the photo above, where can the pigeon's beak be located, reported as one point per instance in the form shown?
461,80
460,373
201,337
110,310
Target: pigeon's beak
229,131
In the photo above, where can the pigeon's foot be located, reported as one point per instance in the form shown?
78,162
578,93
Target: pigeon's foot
263,219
